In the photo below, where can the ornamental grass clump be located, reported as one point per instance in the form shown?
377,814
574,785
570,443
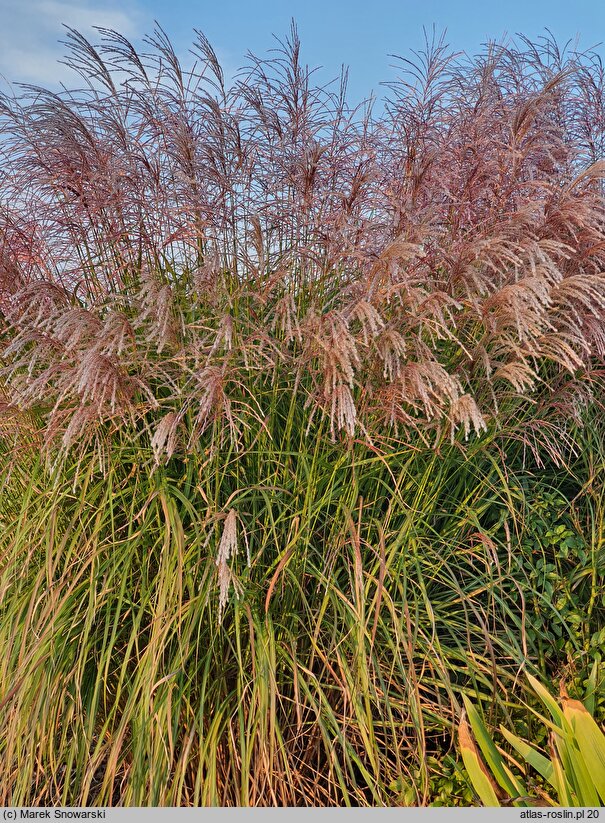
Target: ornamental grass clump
281,381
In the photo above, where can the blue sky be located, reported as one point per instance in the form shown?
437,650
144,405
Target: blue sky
360,34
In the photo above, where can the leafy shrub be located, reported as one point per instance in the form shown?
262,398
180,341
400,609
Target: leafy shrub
556,572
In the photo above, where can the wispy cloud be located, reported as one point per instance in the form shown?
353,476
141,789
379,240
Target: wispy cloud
30,32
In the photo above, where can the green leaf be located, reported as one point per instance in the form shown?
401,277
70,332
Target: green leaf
590,697
531,756
493,757
548,700
560,780
477,771
591,743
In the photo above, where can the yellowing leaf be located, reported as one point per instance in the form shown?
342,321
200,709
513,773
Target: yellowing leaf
480,777
591,742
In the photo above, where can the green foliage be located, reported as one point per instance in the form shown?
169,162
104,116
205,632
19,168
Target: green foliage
571,770
378,587
555,575
448,785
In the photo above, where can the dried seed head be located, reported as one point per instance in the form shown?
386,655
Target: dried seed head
226,551
164,439
464,412
179,238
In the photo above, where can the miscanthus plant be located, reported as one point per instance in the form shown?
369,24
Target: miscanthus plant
278,376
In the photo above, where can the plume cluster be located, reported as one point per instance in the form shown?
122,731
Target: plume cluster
168,243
